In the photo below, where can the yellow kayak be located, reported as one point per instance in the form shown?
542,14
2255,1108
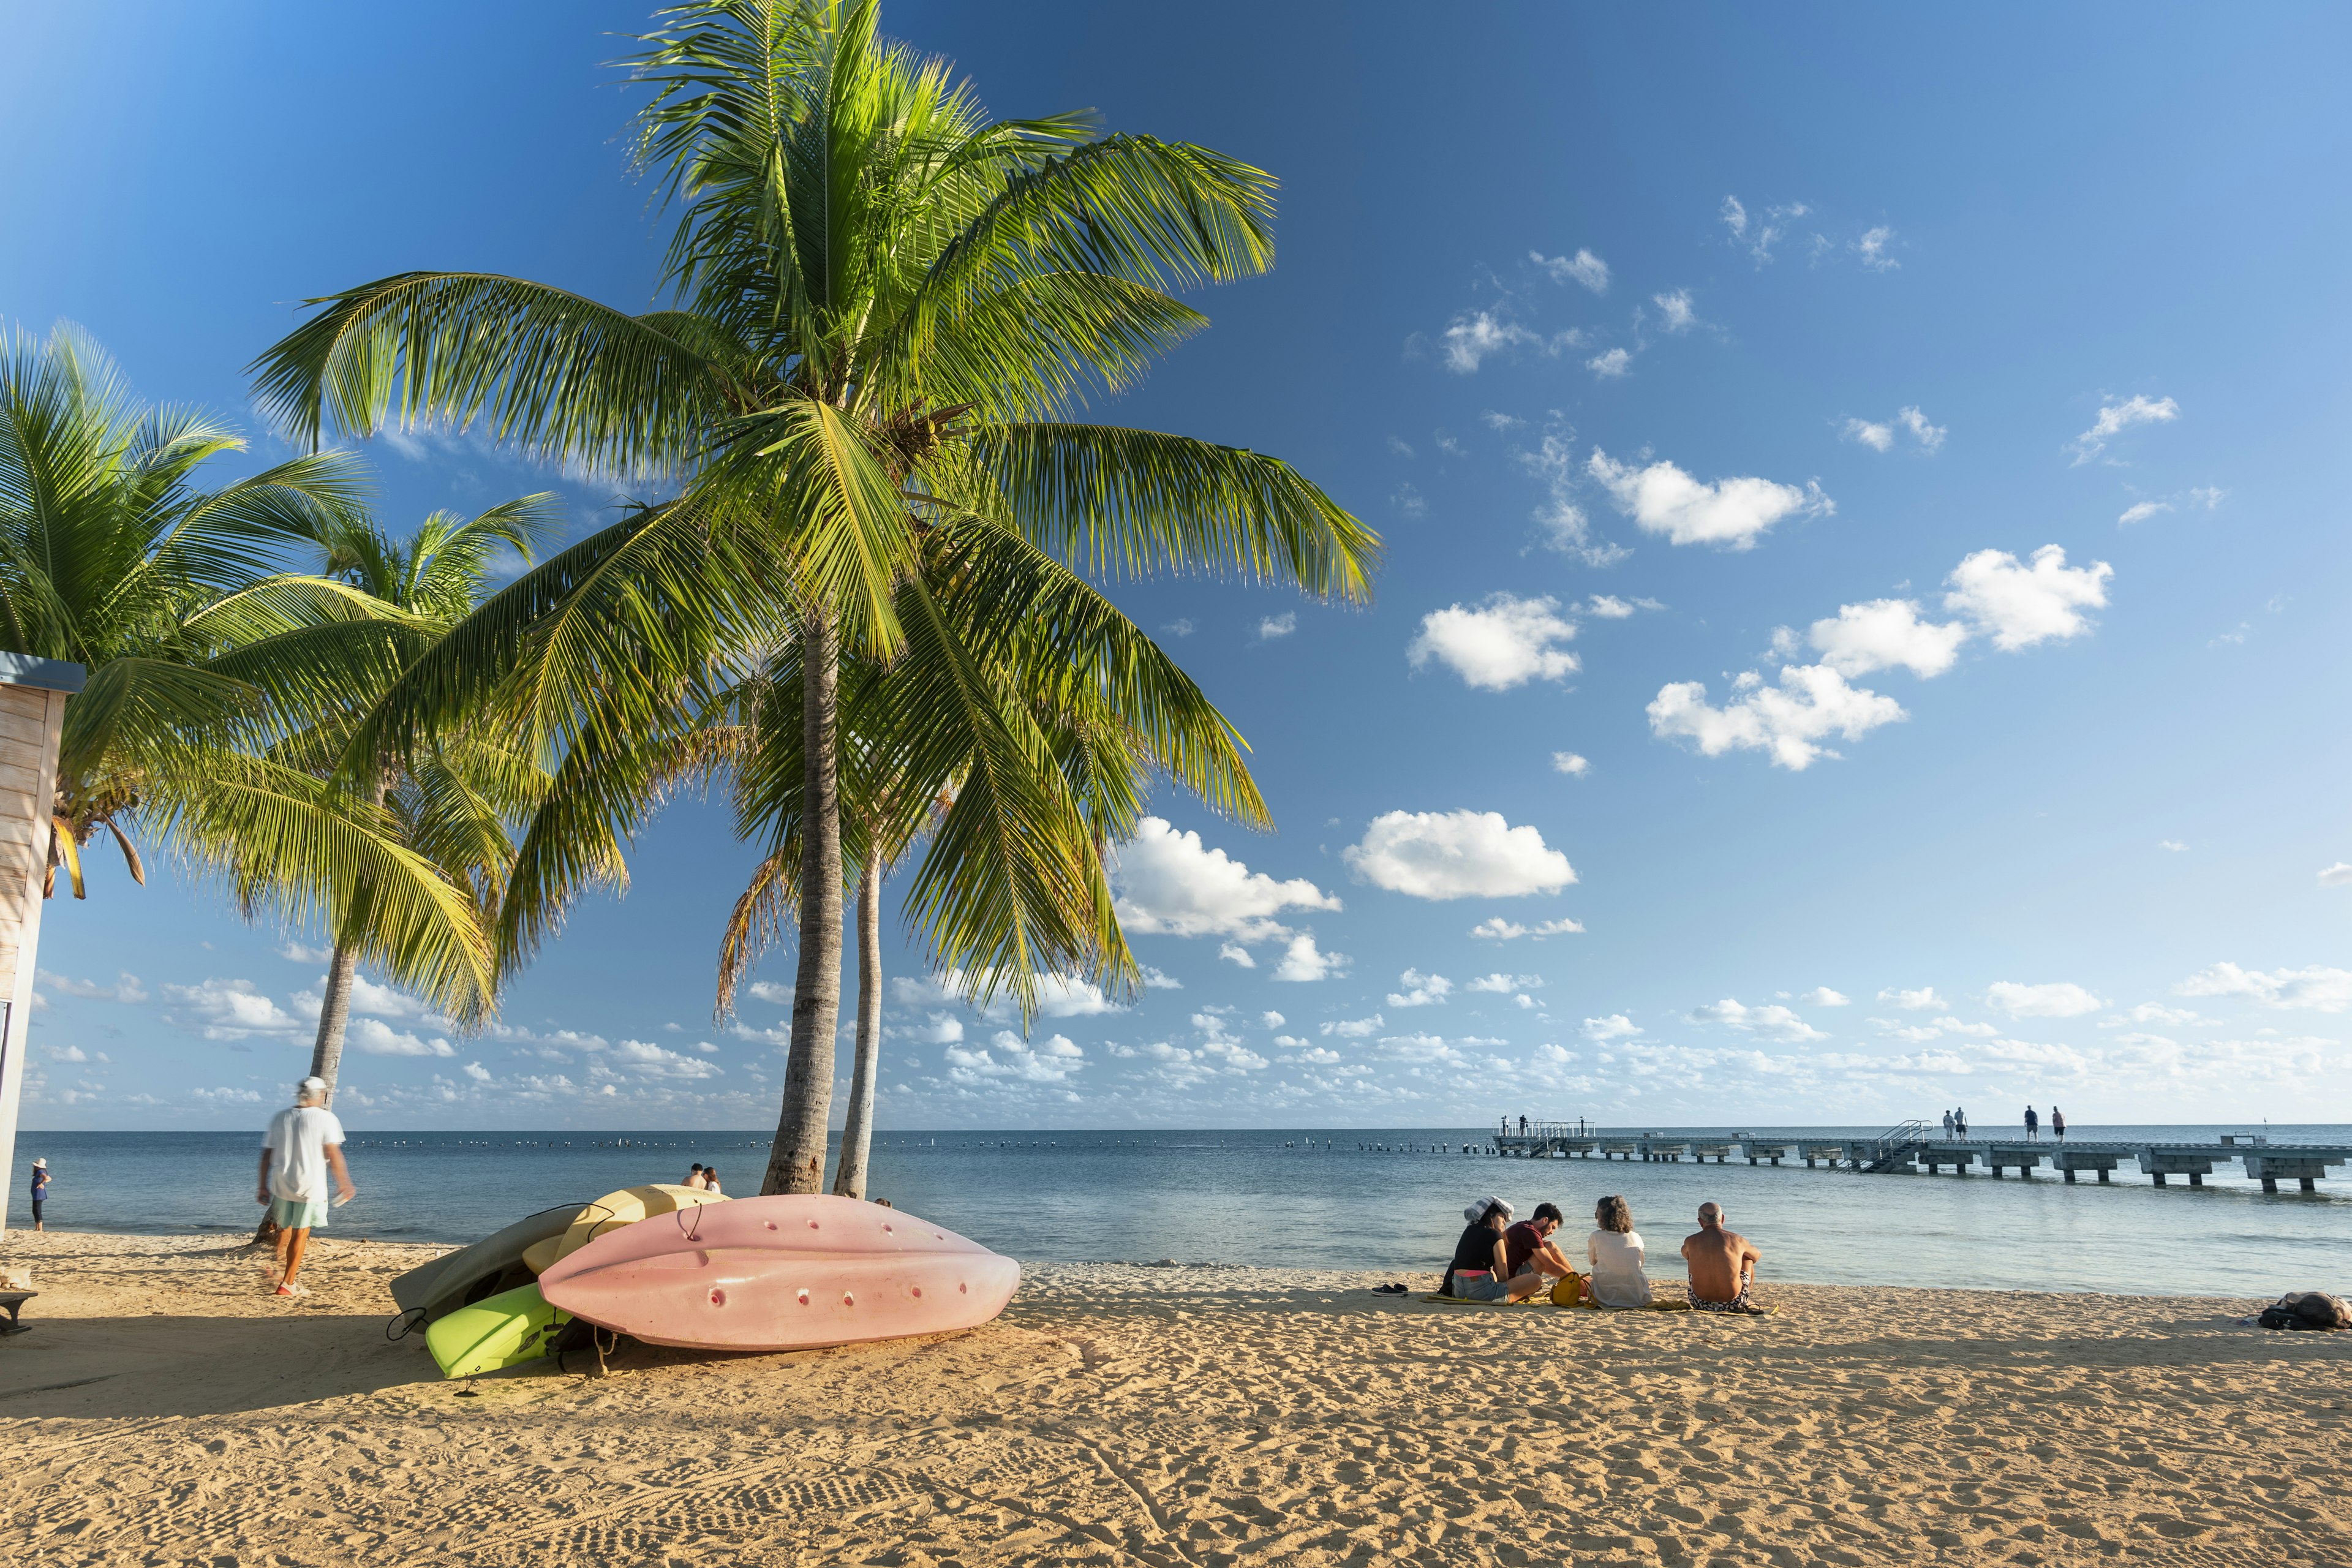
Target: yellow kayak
611,1211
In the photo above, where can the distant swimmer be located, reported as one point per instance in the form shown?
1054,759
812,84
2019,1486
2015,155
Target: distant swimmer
1722,1263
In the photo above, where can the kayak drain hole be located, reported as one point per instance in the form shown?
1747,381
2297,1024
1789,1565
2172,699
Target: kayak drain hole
772,1225
812,1224
963,1290
803,1297
918,1290
718,1298
847,1299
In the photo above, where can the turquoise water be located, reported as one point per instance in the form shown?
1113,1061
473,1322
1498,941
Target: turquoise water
1372,1200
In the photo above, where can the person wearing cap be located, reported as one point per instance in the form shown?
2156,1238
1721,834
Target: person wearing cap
40,1189
302,1145
1481,1270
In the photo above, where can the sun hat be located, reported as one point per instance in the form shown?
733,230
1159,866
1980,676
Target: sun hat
40,1164
1477,1209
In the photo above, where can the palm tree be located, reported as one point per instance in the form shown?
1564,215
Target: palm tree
113,555
451,798
888,306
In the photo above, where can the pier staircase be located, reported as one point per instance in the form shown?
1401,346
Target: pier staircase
1894,1147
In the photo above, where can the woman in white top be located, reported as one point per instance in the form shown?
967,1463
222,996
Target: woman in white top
1615,1251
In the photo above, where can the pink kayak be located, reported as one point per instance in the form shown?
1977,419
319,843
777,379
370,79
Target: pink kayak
781,1274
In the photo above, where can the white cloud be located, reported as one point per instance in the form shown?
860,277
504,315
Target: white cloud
232,1009
1456,855
1303,961
2175,844
2336,876
1611,364
1184,627
1872,247
1566,528
1915,1001
301,954
478,1072
376,1037
2056,999
1049,1061
1235,954
1570,764
1615,1026
1159,980
1420,989
1582,268
2142,512
1058,996
126,988
1884,633
1280,626
1356,1028
1877,437
2115,418
1497,929
65,1053
1770,1020
1758,239
2320,989
942,1029
1608,606
1811,703
1733,513
1880,437
1505,642
769,990
1822,996
1475,336
1674,311
1505,983
1171,884
2019,605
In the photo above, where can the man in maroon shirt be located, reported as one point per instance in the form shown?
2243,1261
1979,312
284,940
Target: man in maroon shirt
1529,1243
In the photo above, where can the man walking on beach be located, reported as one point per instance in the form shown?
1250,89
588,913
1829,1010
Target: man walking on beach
303,1143
1722,1263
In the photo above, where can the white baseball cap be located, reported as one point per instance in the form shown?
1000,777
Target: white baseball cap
310,1086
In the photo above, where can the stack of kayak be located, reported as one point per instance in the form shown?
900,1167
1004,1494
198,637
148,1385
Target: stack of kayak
673,1266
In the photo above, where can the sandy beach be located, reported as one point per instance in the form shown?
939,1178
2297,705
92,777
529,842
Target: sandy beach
166,1411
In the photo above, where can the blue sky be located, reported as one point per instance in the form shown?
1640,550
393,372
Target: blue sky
1863,500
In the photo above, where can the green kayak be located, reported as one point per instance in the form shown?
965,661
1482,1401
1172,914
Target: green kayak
505,1330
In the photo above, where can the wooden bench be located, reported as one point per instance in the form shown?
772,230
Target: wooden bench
13,1300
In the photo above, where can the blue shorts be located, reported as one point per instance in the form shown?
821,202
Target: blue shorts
299,1213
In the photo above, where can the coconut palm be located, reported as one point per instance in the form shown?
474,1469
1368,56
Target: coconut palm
451,798
887,307
114,555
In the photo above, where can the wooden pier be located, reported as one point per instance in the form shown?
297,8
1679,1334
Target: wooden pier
1916,1146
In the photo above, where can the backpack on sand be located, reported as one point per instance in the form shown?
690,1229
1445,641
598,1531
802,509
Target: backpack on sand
2306,1310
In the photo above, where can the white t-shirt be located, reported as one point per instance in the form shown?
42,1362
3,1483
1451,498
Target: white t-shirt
1617,1277
300,1136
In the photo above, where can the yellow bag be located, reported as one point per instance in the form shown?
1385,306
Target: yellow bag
1569,1290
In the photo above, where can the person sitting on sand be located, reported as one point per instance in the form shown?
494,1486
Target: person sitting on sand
301,1146
710,1180
1615,1249
1529,1245
1481,1270
698,1178
1722,1263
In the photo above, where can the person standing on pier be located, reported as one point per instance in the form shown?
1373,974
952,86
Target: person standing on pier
1948,1127
2033,1126
1960,1119
2058,1124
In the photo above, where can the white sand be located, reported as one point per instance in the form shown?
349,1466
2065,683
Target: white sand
166,1411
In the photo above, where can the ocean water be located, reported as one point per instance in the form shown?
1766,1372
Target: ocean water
1384,1200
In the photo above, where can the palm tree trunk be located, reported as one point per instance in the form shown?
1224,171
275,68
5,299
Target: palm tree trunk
334,1015
857,1128
796,1161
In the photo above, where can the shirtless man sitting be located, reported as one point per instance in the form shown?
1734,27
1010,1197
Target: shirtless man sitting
1722,1265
